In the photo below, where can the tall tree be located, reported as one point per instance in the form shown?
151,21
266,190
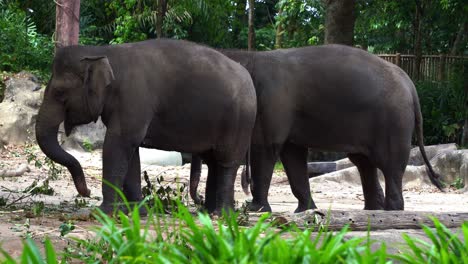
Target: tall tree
339,21
162,9
251,41
418,38
67,22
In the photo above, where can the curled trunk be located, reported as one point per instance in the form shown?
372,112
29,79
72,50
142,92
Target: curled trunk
49,118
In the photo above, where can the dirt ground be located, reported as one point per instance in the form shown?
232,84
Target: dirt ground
17,218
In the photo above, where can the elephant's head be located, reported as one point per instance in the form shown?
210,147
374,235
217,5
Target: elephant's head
74,95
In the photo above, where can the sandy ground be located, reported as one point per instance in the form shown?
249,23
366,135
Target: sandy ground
17,219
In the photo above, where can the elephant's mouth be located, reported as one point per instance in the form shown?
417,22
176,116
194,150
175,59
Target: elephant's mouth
68,127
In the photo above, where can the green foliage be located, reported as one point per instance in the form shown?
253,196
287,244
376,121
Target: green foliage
444,109
126,25
458,183
389,26
279,166
66,228
36,189
167,197
198,239
21,46
264,38
87,145
53,169
302,22
445,246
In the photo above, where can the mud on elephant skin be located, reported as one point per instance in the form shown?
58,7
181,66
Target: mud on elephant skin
165,94
332,98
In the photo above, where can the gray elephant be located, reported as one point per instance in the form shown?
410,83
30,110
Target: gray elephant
331,98
165,94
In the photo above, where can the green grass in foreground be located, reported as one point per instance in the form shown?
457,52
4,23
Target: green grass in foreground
184,238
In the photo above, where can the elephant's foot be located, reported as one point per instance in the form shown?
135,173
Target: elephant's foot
301,207
198,199
392,205
375,204
126,209
258,207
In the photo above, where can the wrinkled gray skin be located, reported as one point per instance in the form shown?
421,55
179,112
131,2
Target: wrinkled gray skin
165,94
331,98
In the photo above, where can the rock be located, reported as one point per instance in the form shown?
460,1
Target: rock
85,136
19,108
320,167
343,164
92,135
160,157
415,155
414,177
431,152
452,166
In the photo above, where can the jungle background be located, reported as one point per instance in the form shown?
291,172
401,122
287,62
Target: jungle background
34,206
29,35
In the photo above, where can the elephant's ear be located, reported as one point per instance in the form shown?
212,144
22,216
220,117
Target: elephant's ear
98,75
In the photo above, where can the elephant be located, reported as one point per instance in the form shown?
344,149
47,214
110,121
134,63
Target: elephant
331,98
165,94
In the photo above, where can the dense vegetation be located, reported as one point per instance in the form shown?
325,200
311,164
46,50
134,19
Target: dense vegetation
184,238
407,27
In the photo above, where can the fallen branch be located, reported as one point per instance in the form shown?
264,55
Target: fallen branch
375,220
23,168
363,220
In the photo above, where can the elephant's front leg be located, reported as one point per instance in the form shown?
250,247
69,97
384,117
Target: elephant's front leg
132,181
116,157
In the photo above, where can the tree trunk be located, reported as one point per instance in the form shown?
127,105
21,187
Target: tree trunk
67,22
339,21
279,33
251,41
460,39
464,139
417,41
161,15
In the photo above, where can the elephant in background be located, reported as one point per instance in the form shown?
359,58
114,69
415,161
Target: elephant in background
165,94
331,98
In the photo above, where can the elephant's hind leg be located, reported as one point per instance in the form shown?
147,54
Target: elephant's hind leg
211,182
393,174
263,160
225,188
294,160
373,194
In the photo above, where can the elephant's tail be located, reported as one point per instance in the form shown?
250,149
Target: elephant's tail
245,176
433,176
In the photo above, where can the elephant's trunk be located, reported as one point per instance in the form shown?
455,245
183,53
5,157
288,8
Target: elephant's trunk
48,120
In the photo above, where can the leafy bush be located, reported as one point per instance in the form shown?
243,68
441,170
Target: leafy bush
444,109
21,47
184,238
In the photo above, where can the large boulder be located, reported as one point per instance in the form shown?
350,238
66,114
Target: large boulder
18,110
159,157
415,158
452,165
84,137
432,151
414,177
